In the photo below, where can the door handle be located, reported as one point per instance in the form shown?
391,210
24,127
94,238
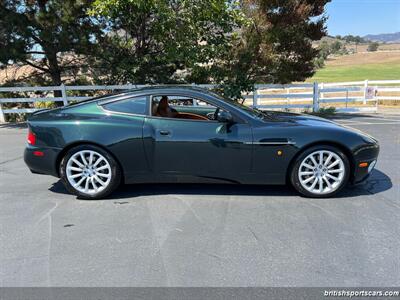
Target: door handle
165,132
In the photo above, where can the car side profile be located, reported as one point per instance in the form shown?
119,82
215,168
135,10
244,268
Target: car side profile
187,134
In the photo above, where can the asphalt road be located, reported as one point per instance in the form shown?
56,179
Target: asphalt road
201,235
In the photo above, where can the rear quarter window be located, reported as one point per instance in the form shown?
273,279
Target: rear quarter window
135,105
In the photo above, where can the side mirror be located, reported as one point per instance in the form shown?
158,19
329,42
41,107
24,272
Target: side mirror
224,117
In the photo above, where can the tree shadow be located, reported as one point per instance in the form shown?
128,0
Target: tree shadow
377,183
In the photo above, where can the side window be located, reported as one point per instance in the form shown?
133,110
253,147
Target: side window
136,105
182,107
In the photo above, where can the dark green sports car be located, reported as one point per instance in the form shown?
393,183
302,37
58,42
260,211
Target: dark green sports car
187,134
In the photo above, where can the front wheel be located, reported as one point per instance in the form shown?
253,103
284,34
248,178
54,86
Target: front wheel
320,171
89,172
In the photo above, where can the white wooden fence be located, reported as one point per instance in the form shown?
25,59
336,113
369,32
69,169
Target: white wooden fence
345,96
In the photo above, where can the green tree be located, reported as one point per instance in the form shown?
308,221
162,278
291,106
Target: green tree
162,41
336,47
324,51
372,47
48,35
354,39
233,43
275,46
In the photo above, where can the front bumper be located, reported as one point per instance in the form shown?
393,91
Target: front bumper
44,164
367,154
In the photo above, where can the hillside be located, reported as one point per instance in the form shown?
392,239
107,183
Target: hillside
384,38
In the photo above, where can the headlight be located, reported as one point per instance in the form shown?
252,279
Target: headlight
367,138
371,166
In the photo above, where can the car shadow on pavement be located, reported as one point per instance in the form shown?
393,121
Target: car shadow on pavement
377,183
14,125
347,116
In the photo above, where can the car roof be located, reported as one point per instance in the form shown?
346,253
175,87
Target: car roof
152,89
172,86
169,88
145,89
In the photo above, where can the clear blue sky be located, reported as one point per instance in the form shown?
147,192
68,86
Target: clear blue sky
361,17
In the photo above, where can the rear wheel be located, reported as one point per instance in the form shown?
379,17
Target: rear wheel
89,172
320,171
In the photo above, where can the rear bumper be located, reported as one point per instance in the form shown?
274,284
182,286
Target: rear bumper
44,164
368,154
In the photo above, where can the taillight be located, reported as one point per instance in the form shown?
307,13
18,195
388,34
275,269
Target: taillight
31,138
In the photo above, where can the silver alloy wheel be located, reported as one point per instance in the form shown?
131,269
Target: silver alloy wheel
322,172
88,172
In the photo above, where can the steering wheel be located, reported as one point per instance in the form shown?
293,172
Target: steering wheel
210,116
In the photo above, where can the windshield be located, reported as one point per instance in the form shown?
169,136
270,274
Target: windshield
252,111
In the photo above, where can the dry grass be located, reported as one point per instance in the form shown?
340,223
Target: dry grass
362,58
382,47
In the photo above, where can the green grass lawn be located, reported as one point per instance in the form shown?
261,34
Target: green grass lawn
385,71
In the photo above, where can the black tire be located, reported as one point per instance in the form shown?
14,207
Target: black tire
294,171
115,173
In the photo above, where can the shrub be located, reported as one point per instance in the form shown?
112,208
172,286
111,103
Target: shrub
323,112
372,47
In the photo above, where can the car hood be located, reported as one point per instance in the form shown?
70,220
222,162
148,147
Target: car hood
314,121
301,119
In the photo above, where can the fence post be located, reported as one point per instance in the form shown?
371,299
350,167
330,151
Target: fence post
322,94
365,91
2,117
64,94
287,98
315,97
255,96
